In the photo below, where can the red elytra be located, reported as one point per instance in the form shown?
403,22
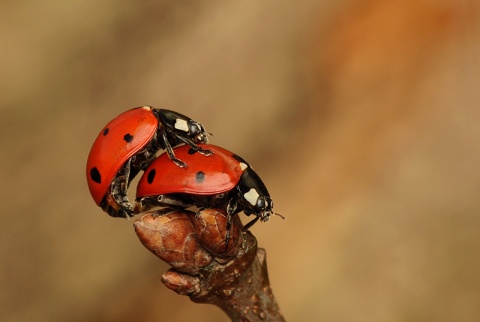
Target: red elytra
204,175
118,141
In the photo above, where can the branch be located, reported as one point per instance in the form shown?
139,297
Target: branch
234,279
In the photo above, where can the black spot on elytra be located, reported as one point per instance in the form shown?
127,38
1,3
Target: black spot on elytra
128,137
199,177
192,151
151,175
95,175
105,132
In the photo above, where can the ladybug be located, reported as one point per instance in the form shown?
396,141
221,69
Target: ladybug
221,180
128,144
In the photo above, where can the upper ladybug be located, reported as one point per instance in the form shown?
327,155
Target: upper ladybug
127,144
221,180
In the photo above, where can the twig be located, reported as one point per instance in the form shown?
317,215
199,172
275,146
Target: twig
235,279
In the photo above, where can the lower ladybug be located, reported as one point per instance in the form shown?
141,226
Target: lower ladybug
127,144
220,180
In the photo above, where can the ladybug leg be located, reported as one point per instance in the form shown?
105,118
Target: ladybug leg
171,201
163,212
232,207
174,201
117,200
227,233
205,152
170,153
192,144
231,210
250,223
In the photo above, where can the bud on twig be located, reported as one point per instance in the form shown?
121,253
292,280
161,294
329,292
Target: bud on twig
211,229
172,238
234,279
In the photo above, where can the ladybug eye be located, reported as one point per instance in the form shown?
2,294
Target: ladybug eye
197,132
194,128
261,203
264,203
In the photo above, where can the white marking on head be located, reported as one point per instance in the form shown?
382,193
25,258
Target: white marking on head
251,196
243,166
148,108
181,125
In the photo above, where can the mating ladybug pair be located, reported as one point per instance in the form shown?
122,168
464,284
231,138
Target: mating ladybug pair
190,173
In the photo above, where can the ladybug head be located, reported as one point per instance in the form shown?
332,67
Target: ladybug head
264,208
260,205
197,132
181,126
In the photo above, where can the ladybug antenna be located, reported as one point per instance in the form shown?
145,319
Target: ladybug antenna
276,214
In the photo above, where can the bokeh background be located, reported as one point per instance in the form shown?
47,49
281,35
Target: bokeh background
362,117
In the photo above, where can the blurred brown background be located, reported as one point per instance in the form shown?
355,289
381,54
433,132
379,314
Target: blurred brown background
362,117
